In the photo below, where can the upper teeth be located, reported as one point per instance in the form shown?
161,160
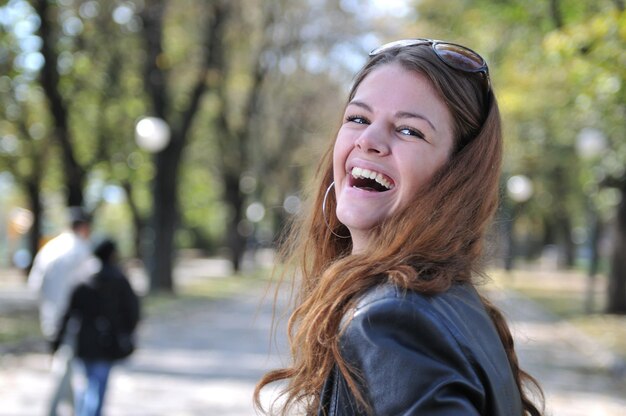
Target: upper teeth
370,174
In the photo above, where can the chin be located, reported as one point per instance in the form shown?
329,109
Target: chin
357,222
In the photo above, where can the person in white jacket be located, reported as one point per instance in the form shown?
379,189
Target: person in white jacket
58,267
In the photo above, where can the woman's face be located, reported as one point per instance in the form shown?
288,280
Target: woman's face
395,134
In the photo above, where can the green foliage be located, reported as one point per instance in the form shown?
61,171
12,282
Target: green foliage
593,50
555,71
557,67
101,52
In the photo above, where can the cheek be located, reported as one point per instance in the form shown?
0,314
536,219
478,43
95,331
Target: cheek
340,154
336,161
422,172
416,184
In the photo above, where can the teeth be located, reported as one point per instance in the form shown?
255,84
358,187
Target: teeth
370,174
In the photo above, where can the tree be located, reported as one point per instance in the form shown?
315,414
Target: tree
558,68
226,76
250,120
167,162
23,135
592,49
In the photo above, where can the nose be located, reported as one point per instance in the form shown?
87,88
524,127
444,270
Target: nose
374,139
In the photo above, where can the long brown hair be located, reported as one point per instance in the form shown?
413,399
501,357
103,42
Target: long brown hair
439,235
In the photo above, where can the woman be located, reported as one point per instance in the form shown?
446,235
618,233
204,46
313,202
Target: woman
106,312
388,321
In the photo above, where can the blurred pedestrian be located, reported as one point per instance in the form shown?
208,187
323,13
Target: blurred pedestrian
388,321
58,267
105,312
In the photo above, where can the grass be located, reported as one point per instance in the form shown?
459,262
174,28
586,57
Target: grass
19,325
563,294
203,290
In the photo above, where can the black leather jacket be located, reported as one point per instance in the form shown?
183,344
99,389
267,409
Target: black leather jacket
421,355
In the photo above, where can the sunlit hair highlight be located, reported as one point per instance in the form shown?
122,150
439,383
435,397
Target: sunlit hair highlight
433,242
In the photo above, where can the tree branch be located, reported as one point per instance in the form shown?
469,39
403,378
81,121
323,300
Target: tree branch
155,73
556,14
259,73
211,71
614,182
49,77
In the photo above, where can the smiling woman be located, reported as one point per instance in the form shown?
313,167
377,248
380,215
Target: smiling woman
388,320
397,128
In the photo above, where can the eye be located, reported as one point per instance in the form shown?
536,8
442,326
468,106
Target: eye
357,119
409,131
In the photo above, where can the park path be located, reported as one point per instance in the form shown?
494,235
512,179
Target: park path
200,357
205,357
578,375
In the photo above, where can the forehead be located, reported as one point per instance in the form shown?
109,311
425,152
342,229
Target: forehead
394,88
390,75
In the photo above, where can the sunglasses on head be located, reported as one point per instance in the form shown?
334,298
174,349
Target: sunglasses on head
454,55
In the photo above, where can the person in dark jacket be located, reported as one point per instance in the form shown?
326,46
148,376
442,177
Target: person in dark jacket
388,321
103,312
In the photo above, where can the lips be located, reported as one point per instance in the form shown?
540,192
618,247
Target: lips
370,180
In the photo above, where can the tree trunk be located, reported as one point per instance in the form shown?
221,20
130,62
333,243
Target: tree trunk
235,200
137,219
509,232
617,277
34,237
594,259
158,238
568,249
164,220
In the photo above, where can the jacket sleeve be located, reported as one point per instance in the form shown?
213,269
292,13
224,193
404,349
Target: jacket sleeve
408,362
131,305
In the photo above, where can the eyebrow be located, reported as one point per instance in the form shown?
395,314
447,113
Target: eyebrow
399,114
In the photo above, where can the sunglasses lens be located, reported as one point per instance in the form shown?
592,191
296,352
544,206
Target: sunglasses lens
453,55
460,57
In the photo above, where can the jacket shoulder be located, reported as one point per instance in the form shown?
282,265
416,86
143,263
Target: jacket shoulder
445,347
437,322
457,314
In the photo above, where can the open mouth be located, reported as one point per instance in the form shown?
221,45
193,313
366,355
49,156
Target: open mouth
370,180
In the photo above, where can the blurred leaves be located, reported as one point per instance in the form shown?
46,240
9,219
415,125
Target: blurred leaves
558,67
276,50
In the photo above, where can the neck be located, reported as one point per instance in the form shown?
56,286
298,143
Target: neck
360,240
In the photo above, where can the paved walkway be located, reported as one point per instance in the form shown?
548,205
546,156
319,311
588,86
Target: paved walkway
201,357
579,377
205,357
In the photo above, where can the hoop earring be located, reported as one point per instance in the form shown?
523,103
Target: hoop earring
324,212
